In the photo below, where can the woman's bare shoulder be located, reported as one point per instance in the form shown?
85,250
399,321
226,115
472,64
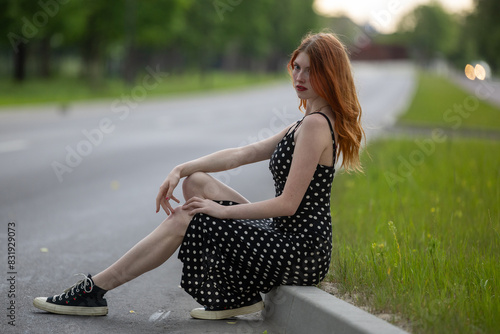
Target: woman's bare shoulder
316,123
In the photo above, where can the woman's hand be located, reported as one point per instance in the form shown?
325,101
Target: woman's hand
199,205
165,194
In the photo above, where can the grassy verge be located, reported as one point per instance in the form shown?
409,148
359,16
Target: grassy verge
418,235
64,90
428,246
439,103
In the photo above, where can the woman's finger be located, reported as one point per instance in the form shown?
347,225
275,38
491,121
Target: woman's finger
161,196
169,206
193,202
158,202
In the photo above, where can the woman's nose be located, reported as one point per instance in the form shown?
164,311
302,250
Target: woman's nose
300,76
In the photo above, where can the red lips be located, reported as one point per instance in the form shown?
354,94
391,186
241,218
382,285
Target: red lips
300,88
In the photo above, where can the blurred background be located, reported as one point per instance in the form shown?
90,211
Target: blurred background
103,45
79,179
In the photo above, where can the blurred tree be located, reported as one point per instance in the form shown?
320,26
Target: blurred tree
290,22
245,46
151,25
483,23
466,49
353,36
19,31
101,28
202,36
32,27
129,34
430,31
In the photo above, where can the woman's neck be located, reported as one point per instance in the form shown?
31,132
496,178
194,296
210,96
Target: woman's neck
316,105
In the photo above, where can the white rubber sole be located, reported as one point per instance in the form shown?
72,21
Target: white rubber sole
41,303
201,313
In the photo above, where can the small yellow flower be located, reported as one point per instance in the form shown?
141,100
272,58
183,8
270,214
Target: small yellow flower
389,271
374,245
381,246
428,235
433,209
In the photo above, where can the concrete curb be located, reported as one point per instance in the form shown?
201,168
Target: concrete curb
307,309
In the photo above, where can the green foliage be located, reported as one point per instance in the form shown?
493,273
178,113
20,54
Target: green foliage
486,31
227,34
430,31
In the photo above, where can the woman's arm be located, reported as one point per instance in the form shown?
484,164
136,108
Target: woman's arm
311,142
232,157
215,162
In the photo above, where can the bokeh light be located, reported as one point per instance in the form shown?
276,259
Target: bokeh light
470,72
480,72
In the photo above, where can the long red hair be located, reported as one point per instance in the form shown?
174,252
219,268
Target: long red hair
331,78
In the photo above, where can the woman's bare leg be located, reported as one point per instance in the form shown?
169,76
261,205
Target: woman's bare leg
147,254
159,245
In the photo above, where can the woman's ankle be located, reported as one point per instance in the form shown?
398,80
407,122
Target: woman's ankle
101,283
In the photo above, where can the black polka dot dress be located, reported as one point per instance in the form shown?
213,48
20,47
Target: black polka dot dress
228,262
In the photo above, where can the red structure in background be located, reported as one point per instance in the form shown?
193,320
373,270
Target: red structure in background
379,52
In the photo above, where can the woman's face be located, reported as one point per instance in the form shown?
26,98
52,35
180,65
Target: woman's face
300,76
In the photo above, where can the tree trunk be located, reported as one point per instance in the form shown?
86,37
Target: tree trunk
20,62
130,66
92,54
45,70
130,63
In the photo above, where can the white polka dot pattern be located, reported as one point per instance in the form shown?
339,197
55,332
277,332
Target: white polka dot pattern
228,262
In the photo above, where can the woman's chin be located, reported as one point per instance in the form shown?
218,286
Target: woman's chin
301,95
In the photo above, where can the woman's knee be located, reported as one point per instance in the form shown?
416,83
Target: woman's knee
205,186
195,185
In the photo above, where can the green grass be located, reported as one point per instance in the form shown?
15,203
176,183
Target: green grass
418,235
438,102
67,89
426,246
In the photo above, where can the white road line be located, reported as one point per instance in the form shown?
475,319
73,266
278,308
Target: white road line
13,145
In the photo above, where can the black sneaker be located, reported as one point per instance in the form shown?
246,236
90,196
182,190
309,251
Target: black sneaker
83,298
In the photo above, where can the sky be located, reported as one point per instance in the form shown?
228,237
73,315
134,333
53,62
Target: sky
382,14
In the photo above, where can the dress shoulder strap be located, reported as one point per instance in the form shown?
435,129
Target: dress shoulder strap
329,124
333,136
294,127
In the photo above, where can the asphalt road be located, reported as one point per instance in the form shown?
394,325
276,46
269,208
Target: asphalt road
78,189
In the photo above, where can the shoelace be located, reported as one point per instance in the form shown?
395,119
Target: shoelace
76,288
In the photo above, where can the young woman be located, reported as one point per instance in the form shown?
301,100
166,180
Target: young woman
233,250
